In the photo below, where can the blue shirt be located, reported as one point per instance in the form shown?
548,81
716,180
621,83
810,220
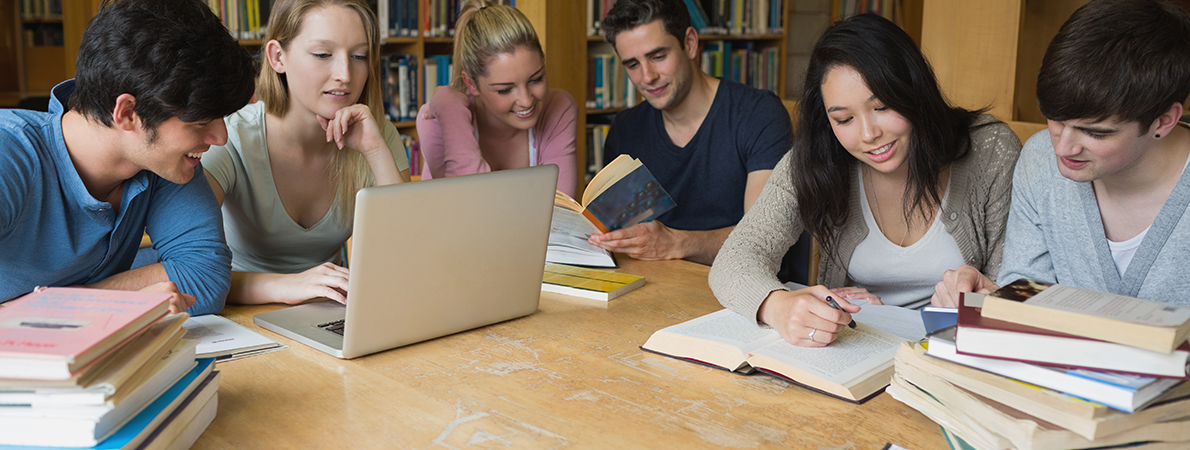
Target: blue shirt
745,130
54,233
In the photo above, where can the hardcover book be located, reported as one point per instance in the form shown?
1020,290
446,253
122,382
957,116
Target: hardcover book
856,367
1126,393
1156,326
980,335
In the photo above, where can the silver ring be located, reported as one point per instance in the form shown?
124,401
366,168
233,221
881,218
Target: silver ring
812,331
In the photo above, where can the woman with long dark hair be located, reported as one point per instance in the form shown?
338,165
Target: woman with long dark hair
896,184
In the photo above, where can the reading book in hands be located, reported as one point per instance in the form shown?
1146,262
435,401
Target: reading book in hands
623,194
854,368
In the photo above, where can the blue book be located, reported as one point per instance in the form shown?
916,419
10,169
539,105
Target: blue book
132,433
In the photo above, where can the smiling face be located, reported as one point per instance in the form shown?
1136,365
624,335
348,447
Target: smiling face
512,90
1089,150
657,64
872,132
177,147
326,63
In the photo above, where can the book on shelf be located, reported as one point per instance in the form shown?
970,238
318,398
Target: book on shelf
82,428
1087,419
855,367
987,424
400,89
53,333
980,335
588,283
1123,392
1148,324
224,340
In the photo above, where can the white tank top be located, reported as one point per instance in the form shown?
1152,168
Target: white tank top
902,276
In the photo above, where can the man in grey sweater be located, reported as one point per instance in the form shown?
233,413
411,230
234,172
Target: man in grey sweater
1100,199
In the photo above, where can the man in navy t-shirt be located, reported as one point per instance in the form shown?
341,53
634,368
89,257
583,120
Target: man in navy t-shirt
711,143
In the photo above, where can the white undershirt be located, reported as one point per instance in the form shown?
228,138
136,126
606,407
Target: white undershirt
902,276
1122,252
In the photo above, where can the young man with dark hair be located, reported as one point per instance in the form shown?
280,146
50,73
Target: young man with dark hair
81,184
711,143
1100,200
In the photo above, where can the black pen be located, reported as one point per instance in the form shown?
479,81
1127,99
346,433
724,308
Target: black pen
834,304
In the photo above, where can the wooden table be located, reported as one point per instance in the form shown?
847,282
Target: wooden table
569,376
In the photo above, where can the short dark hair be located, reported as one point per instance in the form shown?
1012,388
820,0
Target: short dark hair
174,56
629,14
900,77
1124,58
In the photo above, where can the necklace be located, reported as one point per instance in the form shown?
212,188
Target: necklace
876,208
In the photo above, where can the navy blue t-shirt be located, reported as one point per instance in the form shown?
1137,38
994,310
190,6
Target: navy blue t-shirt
745,130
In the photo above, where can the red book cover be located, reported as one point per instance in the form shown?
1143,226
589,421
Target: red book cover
1039,340
54,332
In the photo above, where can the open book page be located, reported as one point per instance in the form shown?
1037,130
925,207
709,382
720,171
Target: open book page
609,175
853,357
568,244
721,338
225,340
903,322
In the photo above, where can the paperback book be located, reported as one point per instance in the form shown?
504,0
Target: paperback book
53,333
588,283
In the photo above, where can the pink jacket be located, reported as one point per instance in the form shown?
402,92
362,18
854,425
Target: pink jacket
449,146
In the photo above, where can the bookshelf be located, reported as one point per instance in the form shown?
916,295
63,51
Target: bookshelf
39,47
987,53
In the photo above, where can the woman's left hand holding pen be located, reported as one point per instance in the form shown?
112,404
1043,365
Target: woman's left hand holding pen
803,317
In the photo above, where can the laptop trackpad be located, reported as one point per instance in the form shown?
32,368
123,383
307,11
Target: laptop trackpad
302,322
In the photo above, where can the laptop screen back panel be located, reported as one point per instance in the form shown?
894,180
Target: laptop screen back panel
441,256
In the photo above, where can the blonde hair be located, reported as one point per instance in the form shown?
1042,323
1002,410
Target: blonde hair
485,30
348,170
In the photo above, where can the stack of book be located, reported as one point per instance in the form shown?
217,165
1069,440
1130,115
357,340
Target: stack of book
1037,366
101,369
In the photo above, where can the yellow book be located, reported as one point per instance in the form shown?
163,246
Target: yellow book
588,283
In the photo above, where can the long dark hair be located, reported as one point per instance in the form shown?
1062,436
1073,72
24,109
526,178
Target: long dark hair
899,76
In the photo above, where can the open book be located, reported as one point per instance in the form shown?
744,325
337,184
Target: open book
855,367
621,195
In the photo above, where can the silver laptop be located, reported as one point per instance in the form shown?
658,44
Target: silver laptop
433,258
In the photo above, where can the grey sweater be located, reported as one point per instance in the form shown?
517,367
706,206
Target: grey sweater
1055,234
744,272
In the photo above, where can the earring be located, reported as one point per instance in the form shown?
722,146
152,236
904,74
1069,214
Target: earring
1158,136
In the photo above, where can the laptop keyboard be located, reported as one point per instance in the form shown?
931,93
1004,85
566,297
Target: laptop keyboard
333,327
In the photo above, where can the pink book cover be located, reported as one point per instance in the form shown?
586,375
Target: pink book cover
74,325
